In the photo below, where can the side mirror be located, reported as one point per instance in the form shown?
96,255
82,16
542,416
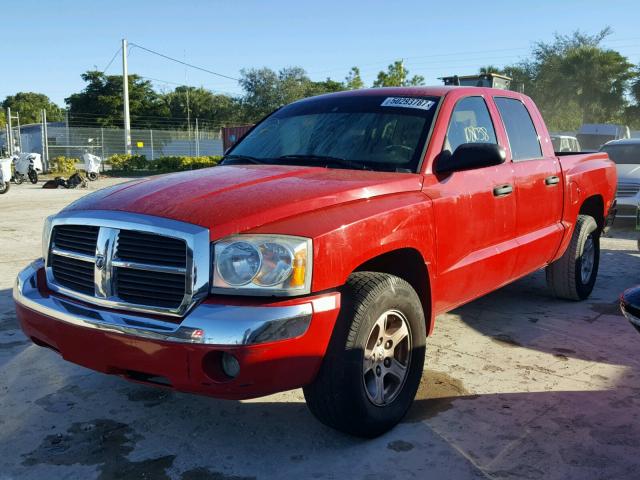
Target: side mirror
469,156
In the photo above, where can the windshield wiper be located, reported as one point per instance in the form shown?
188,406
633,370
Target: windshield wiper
241,159
324,160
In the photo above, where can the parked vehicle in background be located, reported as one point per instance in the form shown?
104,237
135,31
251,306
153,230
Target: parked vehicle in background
630,306
92,165
321,251
26,166
5,174
565,143
626,155
592,136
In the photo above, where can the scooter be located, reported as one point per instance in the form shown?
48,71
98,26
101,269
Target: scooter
27,165
92,165
5,175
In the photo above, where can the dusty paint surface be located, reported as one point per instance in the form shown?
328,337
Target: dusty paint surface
516,385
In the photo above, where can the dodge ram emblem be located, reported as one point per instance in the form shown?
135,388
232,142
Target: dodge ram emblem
100,262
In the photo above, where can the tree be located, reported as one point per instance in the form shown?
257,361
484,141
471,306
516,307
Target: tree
490,69
397,76
202,104
266,90
29,106
101,104
574,80
353,81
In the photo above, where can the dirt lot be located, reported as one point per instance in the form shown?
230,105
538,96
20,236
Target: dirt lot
517,385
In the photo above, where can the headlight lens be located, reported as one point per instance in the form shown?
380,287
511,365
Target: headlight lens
262,265
238,263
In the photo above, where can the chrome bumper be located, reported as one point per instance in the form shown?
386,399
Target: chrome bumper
630,306
208,324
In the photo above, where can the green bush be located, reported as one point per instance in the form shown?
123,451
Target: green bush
125,162
178,164
64,164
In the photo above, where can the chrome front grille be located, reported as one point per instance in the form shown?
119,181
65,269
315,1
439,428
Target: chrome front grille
130,261
627,190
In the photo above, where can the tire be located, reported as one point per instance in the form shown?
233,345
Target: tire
33,176
92,176
566,276
4,189
18,179
343,394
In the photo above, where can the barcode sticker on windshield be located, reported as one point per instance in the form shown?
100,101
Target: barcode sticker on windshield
408,102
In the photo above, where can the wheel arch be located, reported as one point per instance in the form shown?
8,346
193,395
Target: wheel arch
408,264
594,207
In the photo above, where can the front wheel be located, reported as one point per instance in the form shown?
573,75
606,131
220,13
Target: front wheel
4,187
33,176
92,176
573,275
19,178
373,365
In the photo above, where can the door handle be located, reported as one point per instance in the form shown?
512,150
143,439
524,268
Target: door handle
552,180
502,190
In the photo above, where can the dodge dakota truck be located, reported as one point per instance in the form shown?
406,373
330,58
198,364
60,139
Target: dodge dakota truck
321,250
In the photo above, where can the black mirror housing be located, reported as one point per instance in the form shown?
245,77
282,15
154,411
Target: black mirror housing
469,156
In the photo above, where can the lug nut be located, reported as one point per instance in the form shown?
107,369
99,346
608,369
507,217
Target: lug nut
387,362
378,370
388,344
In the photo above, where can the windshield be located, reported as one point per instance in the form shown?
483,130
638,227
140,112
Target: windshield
623,154
358,132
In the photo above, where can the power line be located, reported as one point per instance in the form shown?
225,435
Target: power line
104,70
183,63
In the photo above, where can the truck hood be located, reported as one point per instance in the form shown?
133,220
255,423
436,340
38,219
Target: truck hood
232,199
629,172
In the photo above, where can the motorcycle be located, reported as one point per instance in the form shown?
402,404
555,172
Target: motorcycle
92,165
5,174
27,165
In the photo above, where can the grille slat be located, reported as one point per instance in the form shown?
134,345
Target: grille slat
74,274
76,238
158,289
627,189
151,248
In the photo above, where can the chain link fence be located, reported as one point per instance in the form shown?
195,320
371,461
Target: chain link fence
58,140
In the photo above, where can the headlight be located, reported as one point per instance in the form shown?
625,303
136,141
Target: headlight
262,265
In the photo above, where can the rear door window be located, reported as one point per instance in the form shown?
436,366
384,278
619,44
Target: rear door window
522,135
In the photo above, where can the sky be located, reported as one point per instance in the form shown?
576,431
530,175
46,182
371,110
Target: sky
52,42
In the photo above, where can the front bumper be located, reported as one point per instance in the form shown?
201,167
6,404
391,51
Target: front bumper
279,345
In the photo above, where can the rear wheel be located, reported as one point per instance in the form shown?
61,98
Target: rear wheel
4,187
33,176
18,178
92,176
372,369
573,275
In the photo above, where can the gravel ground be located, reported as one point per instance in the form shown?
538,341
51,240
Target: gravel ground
516,385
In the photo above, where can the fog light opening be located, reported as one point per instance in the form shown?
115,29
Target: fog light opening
230,365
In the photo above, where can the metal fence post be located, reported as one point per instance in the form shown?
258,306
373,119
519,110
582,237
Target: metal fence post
151,142
102,147
197,139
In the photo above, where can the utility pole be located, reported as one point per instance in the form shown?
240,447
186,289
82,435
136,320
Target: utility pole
10,130
45,141
125,97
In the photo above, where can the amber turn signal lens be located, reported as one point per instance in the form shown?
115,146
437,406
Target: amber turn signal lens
299,269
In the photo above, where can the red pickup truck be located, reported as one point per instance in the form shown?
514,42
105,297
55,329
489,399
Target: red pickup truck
321,250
